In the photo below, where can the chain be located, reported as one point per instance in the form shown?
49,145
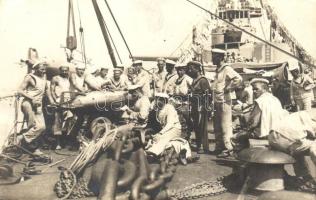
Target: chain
200,190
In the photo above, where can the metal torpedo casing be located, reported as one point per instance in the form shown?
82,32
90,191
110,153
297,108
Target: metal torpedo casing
101,100
265,168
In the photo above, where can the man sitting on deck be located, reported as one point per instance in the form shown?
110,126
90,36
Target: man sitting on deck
140,110
170,134
296,135
266,113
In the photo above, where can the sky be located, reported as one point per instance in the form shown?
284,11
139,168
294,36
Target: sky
151,28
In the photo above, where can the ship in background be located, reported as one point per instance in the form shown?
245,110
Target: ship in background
227,28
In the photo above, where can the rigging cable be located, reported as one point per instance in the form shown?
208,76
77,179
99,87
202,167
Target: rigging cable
104,32
107,29
251,34
118,27
82,40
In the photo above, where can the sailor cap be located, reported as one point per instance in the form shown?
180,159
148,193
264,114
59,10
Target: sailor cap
180,65
37,63
170,62
161,59
118,68
162,95
138,62
259,80
64,65
80,66
218,51
194,63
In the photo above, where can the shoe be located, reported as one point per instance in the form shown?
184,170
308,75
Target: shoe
216,152
200,151
58,147
19,139
193,158
37,152
182,157
225,154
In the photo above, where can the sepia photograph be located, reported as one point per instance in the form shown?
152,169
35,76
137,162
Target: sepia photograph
158,99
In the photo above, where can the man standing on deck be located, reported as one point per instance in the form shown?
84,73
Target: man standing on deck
160,75
59,85
301,89
170,77
102,78
33,88
199,101
77,79
226,80
142,78
181,94
117,82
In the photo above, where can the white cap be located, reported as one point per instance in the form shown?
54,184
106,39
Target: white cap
261,80
138,62
170,62
80,66
38,62
218,51
180,65
92,69
162,95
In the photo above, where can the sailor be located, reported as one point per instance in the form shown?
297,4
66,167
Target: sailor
33,88
91,78
117,82
142,78
160,74
170,77
102,78
244,96
181,95
60,86
199,102
301,89
296,135
266,113
140,110
77,79
169,135
183,82
226,80
131,74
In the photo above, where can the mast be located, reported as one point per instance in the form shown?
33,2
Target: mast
104,32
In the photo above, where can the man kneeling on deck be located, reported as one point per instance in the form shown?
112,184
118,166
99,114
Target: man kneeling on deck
169,135
296,135
266,113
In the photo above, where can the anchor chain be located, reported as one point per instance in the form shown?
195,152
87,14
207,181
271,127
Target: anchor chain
200,190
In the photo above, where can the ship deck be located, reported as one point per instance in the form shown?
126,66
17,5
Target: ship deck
208,168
